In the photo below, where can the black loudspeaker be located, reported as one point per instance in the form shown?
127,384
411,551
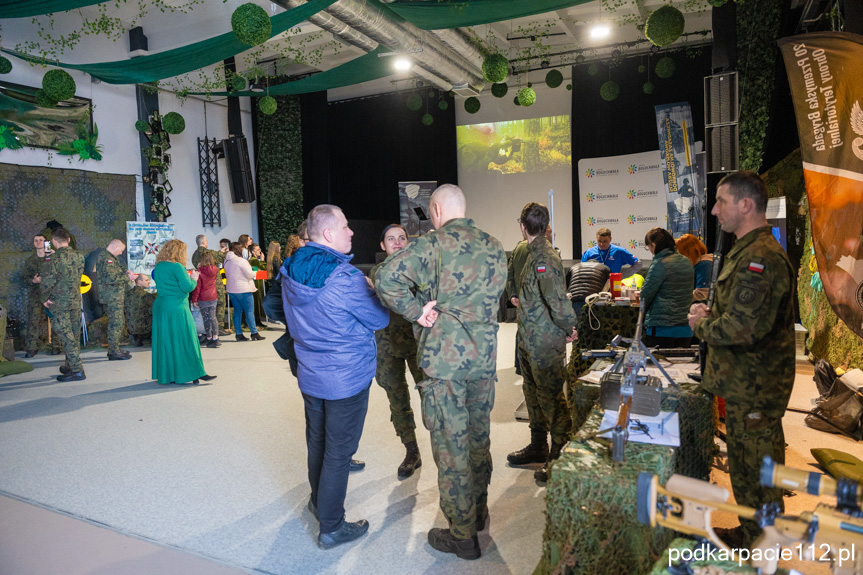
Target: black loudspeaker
138,45
720,122
239,170
724,26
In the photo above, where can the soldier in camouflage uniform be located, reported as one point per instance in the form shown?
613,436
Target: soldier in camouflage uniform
139,310
219,258
34,268
546,322
61,295
750,341
397,347
113,278
462,270
514,266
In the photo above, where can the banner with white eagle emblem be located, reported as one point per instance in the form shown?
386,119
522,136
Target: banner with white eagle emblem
825,71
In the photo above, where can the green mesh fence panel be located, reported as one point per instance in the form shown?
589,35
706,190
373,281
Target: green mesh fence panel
186,59
436,14
94,207
25,9
596,327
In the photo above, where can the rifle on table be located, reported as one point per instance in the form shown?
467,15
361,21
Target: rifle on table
833,533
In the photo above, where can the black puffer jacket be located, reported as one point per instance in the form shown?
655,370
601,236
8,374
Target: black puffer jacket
587,278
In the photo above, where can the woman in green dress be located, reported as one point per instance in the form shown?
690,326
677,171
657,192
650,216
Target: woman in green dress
176,350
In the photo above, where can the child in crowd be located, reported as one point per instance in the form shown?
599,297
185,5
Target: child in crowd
204,297
139,310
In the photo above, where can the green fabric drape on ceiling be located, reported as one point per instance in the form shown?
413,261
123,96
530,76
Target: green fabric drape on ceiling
26,8
438,14
362,69
187,58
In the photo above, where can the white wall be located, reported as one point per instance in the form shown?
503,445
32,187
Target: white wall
495,202
115,113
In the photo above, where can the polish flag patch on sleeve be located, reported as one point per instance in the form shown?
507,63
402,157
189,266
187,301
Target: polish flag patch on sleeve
756,267
540,269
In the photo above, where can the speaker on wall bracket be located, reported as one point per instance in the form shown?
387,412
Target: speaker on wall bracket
236,150
721,116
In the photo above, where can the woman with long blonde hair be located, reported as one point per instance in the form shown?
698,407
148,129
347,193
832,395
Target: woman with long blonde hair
176,350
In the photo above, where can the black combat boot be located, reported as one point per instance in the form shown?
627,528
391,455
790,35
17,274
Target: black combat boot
65,369
442,540
72,376
541,474
536,452
411,462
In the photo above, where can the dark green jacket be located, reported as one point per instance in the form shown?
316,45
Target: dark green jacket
110,275
514,267
32,266
667,290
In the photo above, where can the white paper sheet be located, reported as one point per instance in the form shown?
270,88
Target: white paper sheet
671,435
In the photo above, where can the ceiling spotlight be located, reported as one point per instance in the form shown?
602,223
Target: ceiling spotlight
600,31
256,87
402,64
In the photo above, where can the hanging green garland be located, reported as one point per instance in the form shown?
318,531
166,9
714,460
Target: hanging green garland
664,25
471,105
58,85
5,65
553,79
526,97
414,102
173,123
499,90
251,24
268,105
428,119
665,67
495,68
609,91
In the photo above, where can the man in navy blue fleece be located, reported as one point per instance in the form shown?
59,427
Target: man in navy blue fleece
333,314
611,255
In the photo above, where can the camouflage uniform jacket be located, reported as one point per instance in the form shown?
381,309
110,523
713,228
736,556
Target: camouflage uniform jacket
62,280
34,265
111,275
514,267
218,256
139,310
399,333
545,316
464,269
750,332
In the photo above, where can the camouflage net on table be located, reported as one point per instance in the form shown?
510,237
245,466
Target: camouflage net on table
611,320
681,544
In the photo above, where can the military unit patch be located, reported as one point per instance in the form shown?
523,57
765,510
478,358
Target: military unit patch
746,295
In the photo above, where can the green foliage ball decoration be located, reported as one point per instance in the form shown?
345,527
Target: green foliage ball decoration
471,105
530,84
238,83
553,79
431,93
58,85
43,100
526,97
592,70
499,90
495,68
569,87
443,104
267,105
251,25
415,102
648,87
664,25
641,69
5,65
515,100
609,91
142,126
665,67
173,123
717,3
428,119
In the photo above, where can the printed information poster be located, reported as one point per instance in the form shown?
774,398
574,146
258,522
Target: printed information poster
144,239
414,206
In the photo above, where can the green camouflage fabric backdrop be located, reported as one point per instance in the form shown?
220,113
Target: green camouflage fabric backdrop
94,207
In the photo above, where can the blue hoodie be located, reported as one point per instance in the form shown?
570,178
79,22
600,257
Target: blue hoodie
333,314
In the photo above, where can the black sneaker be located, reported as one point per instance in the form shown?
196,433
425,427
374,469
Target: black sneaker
214,343
72,376
119,356
345,533
442,540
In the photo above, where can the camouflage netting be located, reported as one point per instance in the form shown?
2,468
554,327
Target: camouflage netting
680,544
612,320
95,207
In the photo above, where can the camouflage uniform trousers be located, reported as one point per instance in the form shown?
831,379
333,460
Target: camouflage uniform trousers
35,319
749,440
67,325
544,376
457,414
221,306
113,302
391,376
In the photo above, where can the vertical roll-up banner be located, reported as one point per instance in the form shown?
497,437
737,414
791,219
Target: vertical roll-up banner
824,72
677,150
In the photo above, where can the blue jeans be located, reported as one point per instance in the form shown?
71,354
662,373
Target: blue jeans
333,430
243,302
